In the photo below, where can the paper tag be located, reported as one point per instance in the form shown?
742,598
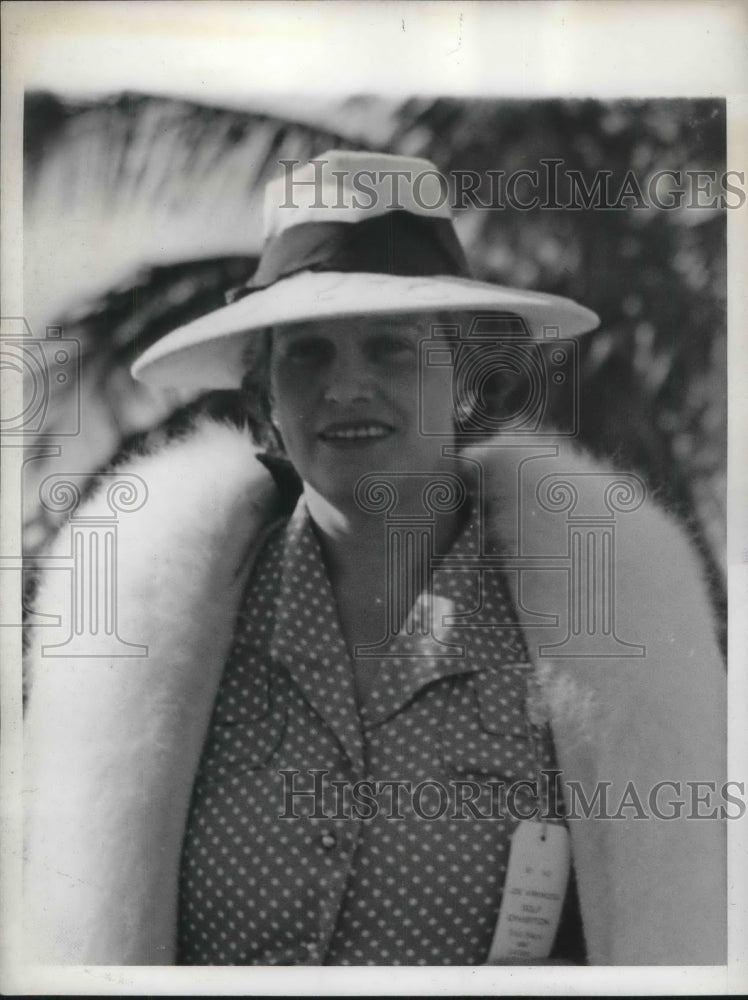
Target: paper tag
536,880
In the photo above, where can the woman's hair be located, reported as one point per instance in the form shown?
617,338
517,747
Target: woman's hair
255,390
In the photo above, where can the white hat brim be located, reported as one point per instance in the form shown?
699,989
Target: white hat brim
208,352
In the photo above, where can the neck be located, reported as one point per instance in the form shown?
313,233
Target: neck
354,541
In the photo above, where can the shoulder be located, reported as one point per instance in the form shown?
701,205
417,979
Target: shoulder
611,592
206,484
192,510
536,494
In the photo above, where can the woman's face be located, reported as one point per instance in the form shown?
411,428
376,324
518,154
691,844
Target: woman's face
348,400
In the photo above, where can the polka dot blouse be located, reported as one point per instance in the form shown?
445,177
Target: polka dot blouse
322,832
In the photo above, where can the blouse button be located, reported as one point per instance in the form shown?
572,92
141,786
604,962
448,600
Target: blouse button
328,839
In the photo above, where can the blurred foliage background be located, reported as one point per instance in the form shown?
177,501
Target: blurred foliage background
141,211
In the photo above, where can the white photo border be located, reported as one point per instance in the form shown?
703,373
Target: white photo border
217,51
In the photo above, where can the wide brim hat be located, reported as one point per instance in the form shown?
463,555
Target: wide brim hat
348,234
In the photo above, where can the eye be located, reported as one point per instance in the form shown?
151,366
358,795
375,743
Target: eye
309,352
390,348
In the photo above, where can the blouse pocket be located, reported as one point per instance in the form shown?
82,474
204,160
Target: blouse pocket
249,722
485,732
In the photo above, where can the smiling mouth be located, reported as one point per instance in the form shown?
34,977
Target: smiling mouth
356,432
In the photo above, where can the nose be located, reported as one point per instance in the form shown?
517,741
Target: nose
348,380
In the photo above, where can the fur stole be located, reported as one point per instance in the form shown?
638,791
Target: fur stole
112,745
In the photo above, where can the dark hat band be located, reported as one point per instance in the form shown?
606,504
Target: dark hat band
397,242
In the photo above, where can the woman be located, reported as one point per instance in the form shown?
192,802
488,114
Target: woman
333,751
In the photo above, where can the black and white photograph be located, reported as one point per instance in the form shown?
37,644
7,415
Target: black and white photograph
370,573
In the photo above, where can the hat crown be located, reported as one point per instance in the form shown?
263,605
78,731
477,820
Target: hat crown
347,186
